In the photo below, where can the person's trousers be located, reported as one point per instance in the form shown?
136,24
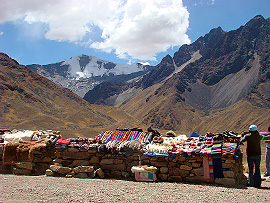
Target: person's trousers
267,161
254,176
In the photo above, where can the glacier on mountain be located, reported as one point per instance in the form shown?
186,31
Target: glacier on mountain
92,67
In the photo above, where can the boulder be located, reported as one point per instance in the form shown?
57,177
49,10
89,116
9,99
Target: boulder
60,169
100,173
49,172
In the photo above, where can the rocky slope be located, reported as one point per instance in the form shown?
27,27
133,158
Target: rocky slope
31,101
226,87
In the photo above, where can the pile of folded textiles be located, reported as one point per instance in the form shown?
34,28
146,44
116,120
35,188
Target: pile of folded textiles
215,145
121,135
79,143
122,147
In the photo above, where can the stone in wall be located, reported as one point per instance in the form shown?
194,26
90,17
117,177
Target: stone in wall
174,171
60,169
39,168
100,173
198,171
80,163
185,167
159,164
94,160
175,179
83,169
24,165
114,167
164,170
81,175
21,171
163,177
74,155
228,174
196,165
125,174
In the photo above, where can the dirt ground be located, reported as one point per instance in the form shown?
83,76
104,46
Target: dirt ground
14,188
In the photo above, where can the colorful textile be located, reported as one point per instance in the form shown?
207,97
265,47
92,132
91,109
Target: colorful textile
106,136
229,148
216,150
211,168
63,141
206,168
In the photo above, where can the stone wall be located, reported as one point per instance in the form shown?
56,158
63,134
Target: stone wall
73,162
172,169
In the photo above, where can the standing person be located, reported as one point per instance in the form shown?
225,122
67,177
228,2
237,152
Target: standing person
267,154
254,155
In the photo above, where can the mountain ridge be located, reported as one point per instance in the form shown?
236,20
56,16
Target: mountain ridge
31,101
232,74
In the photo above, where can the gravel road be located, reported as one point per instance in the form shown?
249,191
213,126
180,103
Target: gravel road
55,189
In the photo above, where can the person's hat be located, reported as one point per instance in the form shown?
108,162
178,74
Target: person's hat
253,128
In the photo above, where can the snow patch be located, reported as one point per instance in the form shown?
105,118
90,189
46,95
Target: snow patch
96,67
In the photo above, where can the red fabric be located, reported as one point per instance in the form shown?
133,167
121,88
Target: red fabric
63,141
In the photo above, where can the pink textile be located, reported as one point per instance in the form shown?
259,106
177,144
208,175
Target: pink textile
206,170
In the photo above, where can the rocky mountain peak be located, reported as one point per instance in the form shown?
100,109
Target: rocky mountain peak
257,21
202,44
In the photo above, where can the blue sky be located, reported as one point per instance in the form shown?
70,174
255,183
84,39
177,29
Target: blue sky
121,31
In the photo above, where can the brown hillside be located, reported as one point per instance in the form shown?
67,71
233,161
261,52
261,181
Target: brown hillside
226,88
30,101
166,113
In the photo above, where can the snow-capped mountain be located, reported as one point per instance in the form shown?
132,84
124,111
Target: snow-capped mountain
83,66
81,73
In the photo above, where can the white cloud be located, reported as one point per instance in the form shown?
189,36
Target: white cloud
1,33
132,29
146,28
